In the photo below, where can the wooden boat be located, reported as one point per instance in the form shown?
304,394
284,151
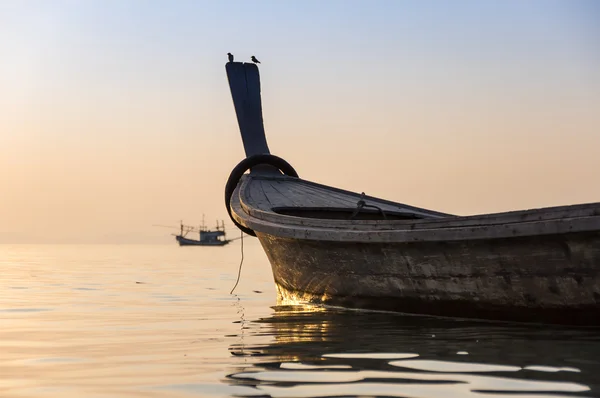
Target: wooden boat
335,247
206,237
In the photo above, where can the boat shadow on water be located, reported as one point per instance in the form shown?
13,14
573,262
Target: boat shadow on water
307,351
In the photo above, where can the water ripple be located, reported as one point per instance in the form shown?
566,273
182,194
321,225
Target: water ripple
181,334
335,353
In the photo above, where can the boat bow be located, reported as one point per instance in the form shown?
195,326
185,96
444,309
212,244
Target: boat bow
332,246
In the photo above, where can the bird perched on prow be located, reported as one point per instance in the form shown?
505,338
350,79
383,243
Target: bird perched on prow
230,56
255,60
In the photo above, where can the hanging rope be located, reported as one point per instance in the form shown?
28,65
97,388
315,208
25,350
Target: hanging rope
361,204
241,262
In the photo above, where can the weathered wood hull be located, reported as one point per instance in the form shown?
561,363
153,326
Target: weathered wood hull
540,265
551,278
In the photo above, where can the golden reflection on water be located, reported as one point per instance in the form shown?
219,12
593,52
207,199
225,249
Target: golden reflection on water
351,353
320,352
297,301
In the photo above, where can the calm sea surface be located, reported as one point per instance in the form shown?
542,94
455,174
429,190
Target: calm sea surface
158,321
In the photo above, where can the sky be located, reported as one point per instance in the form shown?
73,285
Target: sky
116,115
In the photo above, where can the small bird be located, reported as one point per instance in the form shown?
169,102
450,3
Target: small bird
255,60
230,56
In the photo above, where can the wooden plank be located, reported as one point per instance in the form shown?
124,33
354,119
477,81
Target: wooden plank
244,82
276,197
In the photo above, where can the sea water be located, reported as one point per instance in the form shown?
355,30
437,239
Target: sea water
159,321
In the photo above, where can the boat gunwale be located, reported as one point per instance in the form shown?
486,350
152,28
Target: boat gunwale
486,226
519,216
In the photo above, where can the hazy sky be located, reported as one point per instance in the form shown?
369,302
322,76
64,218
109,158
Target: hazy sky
116,115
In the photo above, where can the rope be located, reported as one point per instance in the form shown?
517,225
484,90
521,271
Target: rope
245,165
362,204
241,262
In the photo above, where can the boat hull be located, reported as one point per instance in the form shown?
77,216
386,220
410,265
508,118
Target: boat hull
192,242
549,278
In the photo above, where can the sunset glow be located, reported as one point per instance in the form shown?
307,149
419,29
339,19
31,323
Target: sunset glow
117,115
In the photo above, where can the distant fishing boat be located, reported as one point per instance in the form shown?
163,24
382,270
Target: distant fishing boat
206,237
332,246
